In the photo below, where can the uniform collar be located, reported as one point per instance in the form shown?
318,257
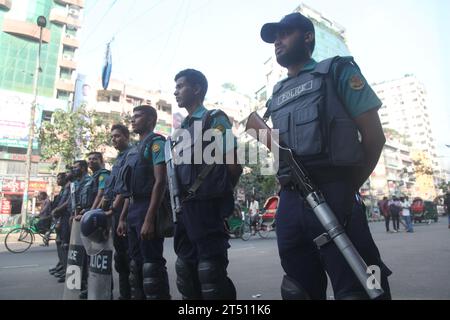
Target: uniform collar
309,66
198,114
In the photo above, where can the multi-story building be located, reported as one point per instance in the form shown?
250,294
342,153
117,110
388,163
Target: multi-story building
18,45
19,42
393,174
330,41
405,109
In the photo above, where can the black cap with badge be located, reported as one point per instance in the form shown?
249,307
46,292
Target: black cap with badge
291,21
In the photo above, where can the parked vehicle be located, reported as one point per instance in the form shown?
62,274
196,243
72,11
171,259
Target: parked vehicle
424,211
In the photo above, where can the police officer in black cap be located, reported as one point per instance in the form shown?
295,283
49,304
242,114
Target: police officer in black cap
144,174
327,114
201,242
62,216
112,203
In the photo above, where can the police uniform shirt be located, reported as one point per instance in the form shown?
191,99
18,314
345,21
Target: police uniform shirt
355,93
154,151
102,180
220,123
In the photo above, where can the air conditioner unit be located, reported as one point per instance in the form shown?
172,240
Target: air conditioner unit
74,12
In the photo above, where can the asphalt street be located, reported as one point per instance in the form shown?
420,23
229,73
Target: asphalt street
420,262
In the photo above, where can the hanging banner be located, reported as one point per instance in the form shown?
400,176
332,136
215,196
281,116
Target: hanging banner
106,74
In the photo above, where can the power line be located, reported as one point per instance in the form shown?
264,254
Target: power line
100,21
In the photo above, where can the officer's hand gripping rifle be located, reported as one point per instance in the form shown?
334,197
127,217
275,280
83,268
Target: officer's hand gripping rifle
334,230
174,188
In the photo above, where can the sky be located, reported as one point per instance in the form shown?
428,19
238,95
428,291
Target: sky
154,39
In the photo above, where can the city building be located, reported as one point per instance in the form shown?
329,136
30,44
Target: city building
19,43
393,175
330,41
405,112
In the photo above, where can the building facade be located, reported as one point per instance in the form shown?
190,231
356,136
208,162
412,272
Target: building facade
406,110
19,43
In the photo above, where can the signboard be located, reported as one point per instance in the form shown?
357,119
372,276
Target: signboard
11,185
15,116
5,206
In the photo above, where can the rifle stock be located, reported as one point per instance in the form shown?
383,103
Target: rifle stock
258,129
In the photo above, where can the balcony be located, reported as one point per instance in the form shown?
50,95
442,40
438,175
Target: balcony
5,4
25,29
70,42
78,3
60,17
66,62
65,85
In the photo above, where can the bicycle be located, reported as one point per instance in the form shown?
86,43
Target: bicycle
20,239
263,228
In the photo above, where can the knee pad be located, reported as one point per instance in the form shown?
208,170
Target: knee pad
155,281
135,278
215,285
187,280
292,290
121,263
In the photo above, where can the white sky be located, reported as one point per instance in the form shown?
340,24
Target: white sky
153,40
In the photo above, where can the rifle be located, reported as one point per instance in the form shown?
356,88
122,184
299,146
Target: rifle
334,231
174,188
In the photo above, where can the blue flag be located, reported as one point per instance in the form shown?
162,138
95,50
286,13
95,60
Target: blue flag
106,74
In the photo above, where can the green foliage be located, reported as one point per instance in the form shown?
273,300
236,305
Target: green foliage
421,168
72,134
251,180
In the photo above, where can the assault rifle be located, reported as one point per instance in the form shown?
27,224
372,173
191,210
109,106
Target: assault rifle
174,188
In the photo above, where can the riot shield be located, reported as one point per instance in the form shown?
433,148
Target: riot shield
100,272
75,260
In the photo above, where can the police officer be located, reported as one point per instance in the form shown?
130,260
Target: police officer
144,175
99,176
113,204
201,242
62,215
83,196
319,110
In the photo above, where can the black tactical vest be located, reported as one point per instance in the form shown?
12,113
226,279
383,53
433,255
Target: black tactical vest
138,172
313,122
217,183
88,191
111,181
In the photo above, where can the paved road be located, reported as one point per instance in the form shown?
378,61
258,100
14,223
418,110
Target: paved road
420,261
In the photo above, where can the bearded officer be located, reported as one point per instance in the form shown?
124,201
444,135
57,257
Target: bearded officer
320,110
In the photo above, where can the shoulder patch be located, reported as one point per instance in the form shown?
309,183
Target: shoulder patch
356,82
220,127
155,148
101,178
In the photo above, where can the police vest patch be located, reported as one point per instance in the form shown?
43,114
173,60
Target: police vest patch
155,148
221,128
356,83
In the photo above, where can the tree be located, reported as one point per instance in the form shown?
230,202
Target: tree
71,134
251,180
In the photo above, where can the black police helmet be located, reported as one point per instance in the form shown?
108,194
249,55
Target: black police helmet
95,225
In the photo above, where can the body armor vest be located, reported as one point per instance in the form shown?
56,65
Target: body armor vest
138,172
217,181
313,122
89,190
110,184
